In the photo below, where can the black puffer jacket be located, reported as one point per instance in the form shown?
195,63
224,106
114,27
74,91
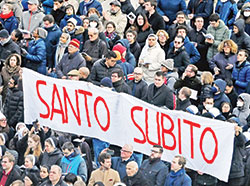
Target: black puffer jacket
100,70
8,48
137,180
52,158
121,86
13,108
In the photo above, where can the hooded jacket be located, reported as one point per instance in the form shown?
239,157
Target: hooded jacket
221,97
84,7
243,112
10,23
122,86
52,158
61,50
242,39
10,47
32,23
63,22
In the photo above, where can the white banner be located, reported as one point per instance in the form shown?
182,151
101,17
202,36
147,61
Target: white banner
85,109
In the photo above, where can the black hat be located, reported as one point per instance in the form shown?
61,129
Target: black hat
33,177
4,33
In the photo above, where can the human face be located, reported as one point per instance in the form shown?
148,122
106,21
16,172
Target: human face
54,175
209,101
228,89
235,29
181,19
57,4
70,26
241,57
5,9
225,108
27,163
43,172
85,23
63,38
110,28
27,181
92,36
72,49
175,165
138,74
114,9
66,152
227,48
31,143
164,69
6,164
11,83
3,122
148,6
32,7
125,152
106,164
158,81
152,41
130,37
48,148
47,24
111,62
162,37
115,78
155,153
13,36
178,43
13,61
131,170
199,22
182,32
215,24
189,72
140,20
35,34
69,11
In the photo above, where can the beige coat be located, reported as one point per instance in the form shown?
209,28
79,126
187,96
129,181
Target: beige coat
107,177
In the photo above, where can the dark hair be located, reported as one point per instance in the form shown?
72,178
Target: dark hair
182,38
110,54
181,161
68,145
103,156
60,1
70,6
214,17
159,73
112,23
244,50
99,183
152,2
158,146
180,13
193,68
49,18
146,24
70,178
181,27
119,72
229,82
197,17
18,34
132,32
186,92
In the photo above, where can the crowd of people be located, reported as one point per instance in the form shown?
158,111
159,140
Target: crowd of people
189,56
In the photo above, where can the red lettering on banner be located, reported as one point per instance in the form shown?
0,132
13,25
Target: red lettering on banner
192,124
208,129
53,109
179,134
67,100
86,93
97,100
137,125
38,83
158,128
167,131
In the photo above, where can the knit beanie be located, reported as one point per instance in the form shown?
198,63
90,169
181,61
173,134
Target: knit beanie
4,33
75,43
106,82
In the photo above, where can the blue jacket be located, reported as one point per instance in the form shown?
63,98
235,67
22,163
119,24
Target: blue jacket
51,43
241,75
179,178
47,6
37,56
191,50
221,97
63,22
84,7
169,8
227,12
204,9
10,24
75,164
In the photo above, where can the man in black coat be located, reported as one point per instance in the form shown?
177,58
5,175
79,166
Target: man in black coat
183,99
159,94
104,67
118,82
9,172
58,11
138,86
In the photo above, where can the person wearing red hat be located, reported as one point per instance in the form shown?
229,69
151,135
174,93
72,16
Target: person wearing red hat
72,60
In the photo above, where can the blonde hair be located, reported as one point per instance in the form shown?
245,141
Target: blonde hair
231,43
38,149
207,78
164,32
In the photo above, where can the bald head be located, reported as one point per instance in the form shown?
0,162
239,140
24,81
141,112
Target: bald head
84,72
138,74
126,151
131,168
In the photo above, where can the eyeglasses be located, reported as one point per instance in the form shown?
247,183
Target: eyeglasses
125,151
3,120
154,151
135,73
91,35
177,42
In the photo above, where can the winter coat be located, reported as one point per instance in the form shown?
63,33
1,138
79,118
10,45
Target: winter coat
32,23
139,89
14,175
155,172
246,19
111,38
10,47
142,36
121,86
127,7
130,58
156,21
16,6
241,75
242,39
74,164
191,50
36,57
180,57
84,7
68,63
10,24
52,158
58,14
233,96
227,11
13,107
206,92
172,30
221,97
61,49
51,42
202,8
220,33
135,49
220,60
244,112
162,96
77,33
179,178
136,180
47,6
169,8
182,105
171,78
59,183
63,22
100,70
154,56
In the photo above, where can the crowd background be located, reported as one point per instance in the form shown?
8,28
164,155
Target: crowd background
190,56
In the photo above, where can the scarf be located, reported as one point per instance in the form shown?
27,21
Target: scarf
111,35
6,16
174,176
85,7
